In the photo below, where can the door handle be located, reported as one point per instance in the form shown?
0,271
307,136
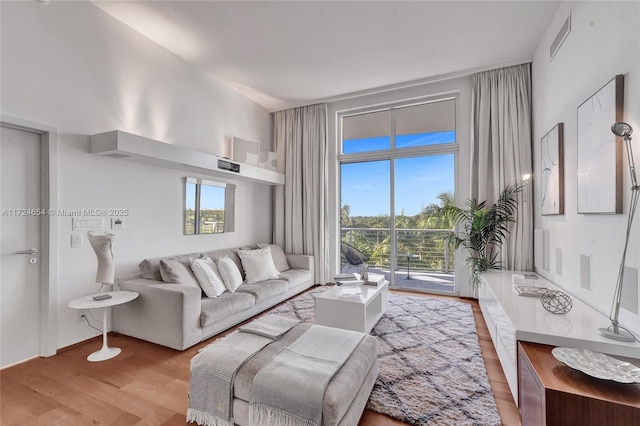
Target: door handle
31,251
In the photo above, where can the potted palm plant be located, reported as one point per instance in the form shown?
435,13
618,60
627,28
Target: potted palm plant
483,229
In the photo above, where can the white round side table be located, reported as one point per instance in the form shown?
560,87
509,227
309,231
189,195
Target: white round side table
87,302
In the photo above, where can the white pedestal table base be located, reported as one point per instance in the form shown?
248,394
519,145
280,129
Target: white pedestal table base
105,352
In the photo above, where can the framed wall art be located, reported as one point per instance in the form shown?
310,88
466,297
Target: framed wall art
600,151
552,172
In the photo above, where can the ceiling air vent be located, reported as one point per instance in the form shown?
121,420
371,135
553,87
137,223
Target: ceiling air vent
562,35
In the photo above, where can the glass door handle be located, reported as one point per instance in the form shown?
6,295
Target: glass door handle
29,251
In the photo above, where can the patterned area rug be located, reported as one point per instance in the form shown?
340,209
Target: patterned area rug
431,369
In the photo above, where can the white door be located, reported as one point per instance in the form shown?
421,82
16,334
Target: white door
20,230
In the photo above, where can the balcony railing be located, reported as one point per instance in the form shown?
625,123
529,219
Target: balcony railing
421,250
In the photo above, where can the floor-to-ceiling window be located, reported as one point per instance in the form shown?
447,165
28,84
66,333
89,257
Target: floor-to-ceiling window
397,164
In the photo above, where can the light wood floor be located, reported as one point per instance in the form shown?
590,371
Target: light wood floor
148,384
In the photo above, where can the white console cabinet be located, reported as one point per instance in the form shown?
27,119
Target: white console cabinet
512,318
502,331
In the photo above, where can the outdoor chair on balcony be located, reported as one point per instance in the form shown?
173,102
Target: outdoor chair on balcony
353,256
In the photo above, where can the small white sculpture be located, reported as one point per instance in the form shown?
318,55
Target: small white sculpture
364,272
103,246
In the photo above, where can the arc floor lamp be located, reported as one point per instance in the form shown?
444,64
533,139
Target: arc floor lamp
615,331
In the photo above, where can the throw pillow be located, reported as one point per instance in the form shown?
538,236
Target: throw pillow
232,254
150,269
230,273
279,258
206,273
258,265
173,271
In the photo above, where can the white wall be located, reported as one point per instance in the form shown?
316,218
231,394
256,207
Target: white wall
460,87
71,65
604,41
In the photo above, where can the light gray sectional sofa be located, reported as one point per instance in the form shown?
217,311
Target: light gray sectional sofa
179,315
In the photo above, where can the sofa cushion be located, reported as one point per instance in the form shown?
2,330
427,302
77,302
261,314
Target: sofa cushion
258,265
232,254
223,306
150,268
295,277
176,272
279,258
264,289
206,273
229,273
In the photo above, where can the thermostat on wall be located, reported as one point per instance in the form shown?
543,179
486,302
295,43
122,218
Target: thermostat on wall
117,223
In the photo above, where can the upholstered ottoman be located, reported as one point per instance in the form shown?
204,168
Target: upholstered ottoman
346,393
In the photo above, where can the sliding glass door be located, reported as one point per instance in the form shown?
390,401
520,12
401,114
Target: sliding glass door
397,167
421,185
365,219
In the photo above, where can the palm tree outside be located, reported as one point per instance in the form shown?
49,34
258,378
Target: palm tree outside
483,229
422,237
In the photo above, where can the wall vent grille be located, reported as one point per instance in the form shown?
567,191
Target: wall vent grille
630,290
585,272
562,35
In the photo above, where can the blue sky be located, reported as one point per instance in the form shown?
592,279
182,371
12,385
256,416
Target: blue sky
402,141
211,197
418,181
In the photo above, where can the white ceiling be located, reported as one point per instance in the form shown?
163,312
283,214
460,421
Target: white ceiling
286,53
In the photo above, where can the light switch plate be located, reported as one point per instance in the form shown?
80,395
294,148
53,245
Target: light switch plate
76,240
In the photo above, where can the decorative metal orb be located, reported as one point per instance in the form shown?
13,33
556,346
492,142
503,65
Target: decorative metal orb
556,302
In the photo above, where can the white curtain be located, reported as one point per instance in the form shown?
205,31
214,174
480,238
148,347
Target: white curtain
300,136
501,150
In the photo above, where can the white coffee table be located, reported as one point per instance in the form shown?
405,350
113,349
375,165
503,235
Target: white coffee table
87,302
356,308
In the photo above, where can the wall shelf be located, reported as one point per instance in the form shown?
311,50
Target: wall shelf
122,145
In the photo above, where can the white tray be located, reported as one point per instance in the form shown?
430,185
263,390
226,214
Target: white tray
598,365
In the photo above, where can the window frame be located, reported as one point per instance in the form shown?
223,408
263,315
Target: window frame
392,107
394,153
229,205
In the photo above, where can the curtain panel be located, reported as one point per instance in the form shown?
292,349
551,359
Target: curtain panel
501,151
301,227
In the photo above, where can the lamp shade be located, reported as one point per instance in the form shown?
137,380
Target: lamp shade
103,246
